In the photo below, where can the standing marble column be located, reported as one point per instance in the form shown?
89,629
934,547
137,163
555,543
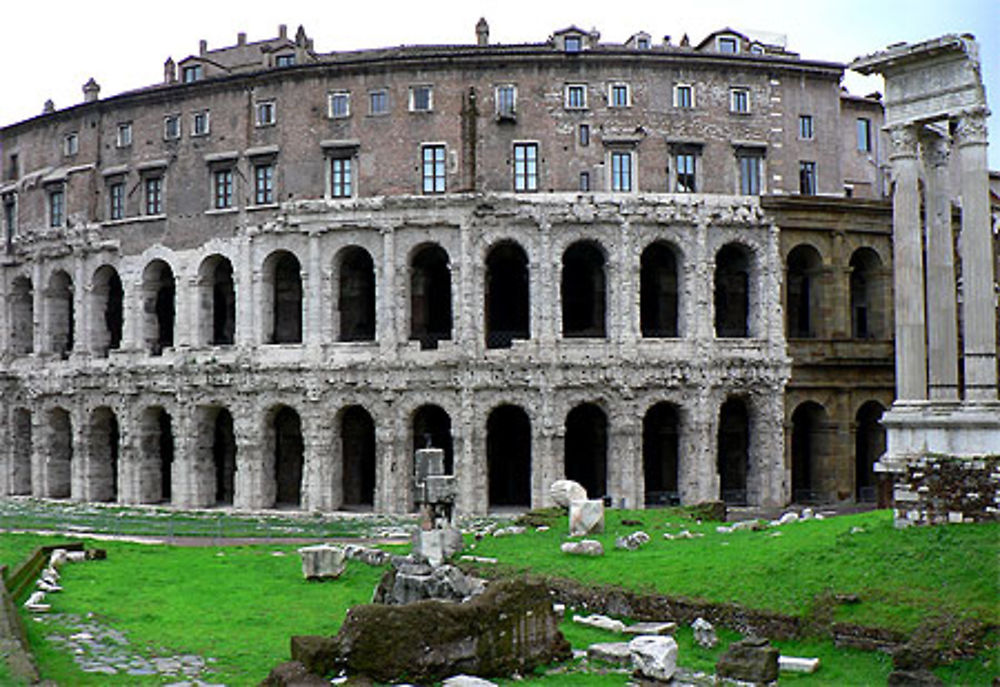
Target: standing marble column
942,321
911,354
979,314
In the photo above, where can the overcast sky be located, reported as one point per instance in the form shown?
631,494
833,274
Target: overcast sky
49,49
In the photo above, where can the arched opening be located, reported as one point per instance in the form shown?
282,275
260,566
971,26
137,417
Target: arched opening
156,443
20,473
217,302
107,313
732,292
224,457
586,448
808,451
158,292
507,304
658,291
869,445
283,303
867,289
660,454
734,451
508,456
61,313
356,295
432,429
60,454
357,446
430,296
803,292
22,317
102,476
289,456
583,291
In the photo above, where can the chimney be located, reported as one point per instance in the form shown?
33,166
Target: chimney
169,71
202,47
482,33
49,107
91,91
241,38
283,31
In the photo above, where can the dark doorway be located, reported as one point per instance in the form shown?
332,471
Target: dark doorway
658,291
60,448
104,453
586,447
508,456
21,449
583,291
356,300
507,305
357,444
108,314
807,449
223,303
866,289
432,429
158,305
61,313
732,292
430,296
166,444
869,445
224,457
22,317
286,299
660,451
802,292
289,453
734,451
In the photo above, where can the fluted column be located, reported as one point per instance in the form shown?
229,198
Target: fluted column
942,322
979,314
911,353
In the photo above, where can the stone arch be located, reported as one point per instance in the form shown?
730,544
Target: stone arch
809,450
20,481
158,306
508,456
430,295
156,455
658,291
431,422
803,292
507,294
107,299
583,291
59,453
60,313
287,451
355,303
661,454
869,445
217,301
217,452
22,316
733,447
282,306
357,449
732,282
103,468
869,284
586,448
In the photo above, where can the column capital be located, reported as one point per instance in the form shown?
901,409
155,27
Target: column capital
971,128
903,141
935,148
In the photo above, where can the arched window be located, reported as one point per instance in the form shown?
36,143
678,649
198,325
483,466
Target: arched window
107,313
734,451
586,448
507,304
283,306
22,316
808,451
508,456
430,296
658,291
868,285
869,445
217,301
158,291
660,449
61,313
289,456
357,448
356,295
583,291
432,429
803,292
732,291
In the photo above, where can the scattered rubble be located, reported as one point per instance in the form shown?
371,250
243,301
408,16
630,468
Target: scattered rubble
584,547
704,634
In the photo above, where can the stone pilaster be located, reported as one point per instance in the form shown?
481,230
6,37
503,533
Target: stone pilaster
322,477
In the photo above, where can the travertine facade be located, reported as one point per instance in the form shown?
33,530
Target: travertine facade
271,278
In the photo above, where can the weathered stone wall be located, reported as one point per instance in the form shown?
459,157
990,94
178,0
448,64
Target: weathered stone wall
942,489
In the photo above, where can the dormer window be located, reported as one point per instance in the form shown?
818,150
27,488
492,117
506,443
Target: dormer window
573,43
756,49
71,144
728,45
642,43
192,73
285,60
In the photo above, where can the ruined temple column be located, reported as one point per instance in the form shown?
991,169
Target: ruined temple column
942,321
979,314
911,355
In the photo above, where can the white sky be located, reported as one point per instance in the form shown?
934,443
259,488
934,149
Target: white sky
50,48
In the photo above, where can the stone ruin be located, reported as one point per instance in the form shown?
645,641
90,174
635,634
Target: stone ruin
434,494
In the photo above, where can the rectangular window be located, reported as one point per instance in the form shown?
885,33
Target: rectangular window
683,96
200,123
618,95
573,43
378,102
806,127
192,73
739,100
171,127
284,60
124,137
153,192
10,220
433,169
642,43
421,99
116,200
506,97
584,135
525,166
864,127
266,113
12,167
57,207
728,45
341,177
684,164
576,96
749,169
584,181
71,144
340,104
621,171
807,178
263,183
222,188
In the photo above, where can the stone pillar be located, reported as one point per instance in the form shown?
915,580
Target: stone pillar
698,475
79,463
253,488
979,309
385,447
911,355
767,464
942,321
247,297
322,480
312,287
386,301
